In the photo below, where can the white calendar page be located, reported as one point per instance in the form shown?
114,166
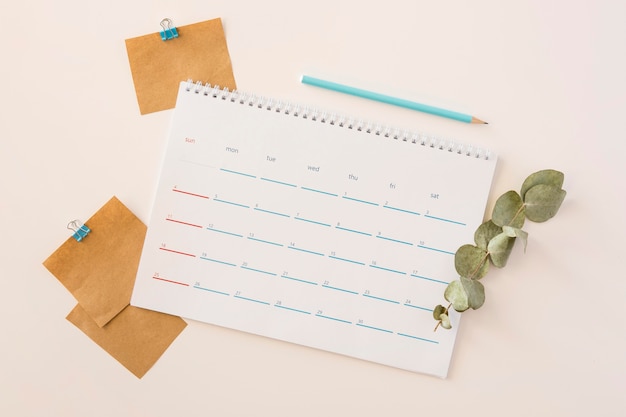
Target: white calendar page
308,232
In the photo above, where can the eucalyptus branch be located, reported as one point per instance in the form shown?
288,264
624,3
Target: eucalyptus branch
539,200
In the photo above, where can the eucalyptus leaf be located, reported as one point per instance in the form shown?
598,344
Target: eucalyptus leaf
509,210
455,294
445,321
515,232
475,291
546,177
485,232
438,311
543,202
500,248
471,261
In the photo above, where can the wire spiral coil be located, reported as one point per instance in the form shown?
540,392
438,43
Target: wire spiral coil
290,109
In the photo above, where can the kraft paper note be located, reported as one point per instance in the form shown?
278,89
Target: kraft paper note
100,270
100,273
199,53
136,337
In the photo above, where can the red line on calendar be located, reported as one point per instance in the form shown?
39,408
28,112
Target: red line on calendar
178,252
170,281
181,222
188,193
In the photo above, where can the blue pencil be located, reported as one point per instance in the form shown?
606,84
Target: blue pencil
390,100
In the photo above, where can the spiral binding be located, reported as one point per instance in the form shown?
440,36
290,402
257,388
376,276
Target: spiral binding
290,109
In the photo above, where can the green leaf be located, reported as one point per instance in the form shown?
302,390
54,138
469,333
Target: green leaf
445,321
500,248
485,233
509,210
471,261
438,311
455,294
543,202
546,177
475,292
515,232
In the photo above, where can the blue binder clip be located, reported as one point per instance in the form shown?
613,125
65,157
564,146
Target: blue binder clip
169,31
80,230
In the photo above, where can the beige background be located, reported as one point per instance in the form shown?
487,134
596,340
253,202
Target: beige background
547,75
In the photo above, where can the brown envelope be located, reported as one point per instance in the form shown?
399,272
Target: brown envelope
100,272
199,53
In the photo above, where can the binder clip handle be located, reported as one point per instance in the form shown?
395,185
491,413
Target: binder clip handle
80,230
169,30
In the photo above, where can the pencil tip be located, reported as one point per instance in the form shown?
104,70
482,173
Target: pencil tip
477,120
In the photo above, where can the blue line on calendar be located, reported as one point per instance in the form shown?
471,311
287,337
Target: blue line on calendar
353,230
373,328
251,299
339,289
418,307
444,220
278,182
312,221
230,171
319,191
387,269
299,280
291,309
333,318
394,240
265,241
418,338
306,250
345,260
435,249
224,231
381,298
271,212
402,210
217,261
232,203
358,200
429,279
210,290
257,270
